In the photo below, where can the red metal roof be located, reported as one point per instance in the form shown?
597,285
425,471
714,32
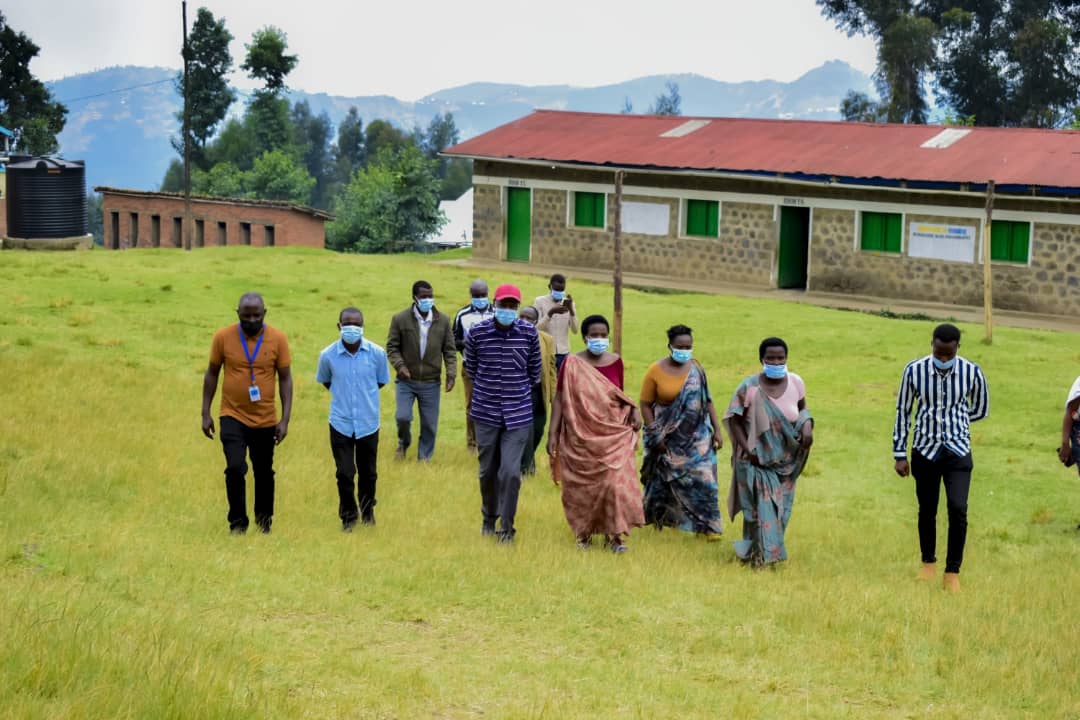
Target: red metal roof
863,151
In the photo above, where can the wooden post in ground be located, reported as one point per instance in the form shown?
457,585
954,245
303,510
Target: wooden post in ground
187,134
617,280
988,278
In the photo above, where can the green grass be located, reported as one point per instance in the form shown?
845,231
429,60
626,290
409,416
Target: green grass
122,596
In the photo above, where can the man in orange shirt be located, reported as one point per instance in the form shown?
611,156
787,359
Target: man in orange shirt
252,354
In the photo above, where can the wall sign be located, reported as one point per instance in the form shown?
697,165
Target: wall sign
646,218
514,182
942,242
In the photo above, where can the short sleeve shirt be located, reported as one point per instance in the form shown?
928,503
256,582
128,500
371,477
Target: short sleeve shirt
226,350
354,380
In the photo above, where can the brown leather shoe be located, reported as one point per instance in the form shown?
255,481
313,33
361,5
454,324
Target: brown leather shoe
951,582
928,571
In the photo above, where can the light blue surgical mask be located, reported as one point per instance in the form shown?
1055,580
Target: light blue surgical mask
352,334
681,356
775,372
944,364
480,303
505,316
424,305
597,346
558,295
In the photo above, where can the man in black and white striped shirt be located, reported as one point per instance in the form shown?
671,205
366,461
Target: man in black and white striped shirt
952,394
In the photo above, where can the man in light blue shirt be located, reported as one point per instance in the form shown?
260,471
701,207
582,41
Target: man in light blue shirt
353,369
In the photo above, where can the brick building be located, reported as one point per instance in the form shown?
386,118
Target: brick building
886,210
134,218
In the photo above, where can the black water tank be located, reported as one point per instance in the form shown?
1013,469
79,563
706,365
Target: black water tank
46,198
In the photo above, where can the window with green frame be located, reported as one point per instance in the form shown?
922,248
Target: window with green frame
882,232
1009,241
589,210
703,218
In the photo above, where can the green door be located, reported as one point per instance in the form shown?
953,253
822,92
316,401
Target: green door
518,223
794,247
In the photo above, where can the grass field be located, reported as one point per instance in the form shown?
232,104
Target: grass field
123,596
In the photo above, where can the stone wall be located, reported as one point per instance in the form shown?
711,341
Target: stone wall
1049,285
744,252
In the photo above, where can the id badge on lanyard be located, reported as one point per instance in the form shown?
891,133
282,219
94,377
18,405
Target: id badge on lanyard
253,390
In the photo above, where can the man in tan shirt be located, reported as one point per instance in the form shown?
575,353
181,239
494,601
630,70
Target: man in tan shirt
558,316
253,354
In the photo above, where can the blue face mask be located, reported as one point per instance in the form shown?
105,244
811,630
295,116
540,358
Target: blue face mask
558,295
505,316
480,303
681,356
424,305
597,346
775,372
944,364
352,334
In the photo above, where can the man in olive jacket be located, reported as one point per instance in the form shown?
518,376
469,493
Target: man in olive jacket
420,342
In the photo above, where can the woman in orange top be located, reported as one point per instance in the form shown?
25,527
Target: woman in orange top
682,435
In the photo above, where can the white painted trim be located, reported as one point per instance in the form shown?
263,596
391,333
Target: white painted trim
823,203
1009,263
681,230
571,209
809,246
880,253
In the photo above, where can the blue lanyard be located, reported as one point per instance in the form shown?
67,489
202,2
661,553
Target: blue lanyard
250,356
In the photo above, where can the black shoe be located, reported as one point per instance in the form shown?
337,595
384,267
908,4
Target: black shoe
238,530
348,525
264,525
368,516
488,528
506,537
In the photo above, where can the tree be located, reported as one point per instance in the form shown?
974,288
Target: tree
209,94
627,106
267,59
1012,62
95,217
390,206
860,107
222,180
668,102
441,134
905,50
268,125
277,176
27,107
380,134
458,179
313,143
174,177
349,153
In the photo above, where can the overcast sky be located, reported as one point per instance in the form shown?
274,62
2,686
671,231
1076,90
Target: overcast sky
411,48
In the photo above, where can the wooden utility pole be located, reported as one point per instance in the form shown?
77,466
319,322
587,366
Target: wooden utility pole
187,134
617,280
988,277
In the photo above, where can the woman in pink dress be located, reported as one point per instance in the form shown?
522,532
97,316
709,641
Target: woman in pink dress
591,442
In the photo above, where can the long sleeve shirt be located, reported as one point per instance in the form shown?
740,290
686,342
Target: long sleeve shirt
504,364
948,403
559,326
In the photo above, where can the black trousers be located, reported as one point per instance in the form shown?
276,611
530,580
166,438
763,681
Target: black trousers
355,457
539,410
955,473
240,441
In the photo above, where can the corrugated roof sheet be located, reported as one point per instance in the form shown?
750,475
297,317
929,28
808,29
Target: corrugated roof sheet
854,152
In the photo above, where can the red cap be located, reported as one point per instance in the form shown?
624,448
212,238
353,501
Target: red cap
507,291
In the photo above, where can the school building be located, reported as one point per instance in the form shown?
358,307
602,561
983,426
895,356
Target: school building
138,219
873,209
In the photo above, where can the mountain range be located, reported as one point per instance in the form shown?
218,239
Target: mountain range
120,119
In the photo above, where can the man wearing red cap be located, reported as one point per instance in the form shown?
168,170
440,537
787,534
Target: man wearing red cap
502,358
